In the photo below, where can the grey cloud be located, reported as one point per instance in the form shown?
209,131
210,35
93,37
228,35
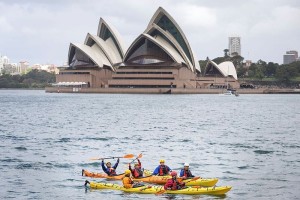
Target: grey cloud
40,31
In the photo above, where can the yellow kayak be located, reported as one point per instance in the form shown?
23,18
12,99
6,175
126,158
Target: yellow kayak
149,189
155,179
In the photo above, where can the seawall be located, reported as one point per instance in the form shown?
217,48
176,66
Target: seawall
167,90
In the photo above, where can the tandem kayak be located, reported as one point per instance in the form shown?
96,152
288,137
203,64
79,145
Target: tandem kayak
149,189
155,179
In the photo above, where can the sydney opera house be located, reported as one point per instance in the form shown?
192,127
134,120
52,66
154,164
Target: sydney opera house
159,59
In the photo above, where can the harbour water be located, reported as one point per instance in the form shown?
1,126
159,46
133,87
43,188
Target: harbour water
250,142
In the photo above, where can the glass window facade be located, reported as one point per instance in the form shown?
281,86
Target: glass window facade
80,59
166,24
147,52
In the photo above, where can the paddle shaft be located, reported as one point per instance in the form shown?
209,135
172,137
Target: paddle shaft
139,156
126,156
110,158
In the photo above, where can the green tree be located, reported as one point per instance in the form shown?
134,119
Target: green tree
271,69
203,64
286,72
34,78
226,53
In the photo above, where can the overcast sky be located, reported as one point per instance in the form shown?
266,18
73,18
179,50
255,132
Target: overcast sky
40,31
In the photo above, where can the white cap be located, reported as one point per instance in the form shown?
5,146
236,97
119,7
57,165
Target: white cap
186,164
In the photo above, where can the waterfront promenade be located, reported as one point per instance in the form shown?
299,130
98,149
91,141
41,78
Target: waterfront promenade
168,90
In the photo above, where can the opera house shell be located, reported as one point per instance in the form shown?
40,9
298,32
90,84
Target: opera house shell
160,57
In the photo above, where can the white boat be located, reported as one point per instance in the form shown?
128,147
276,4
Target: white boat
230,92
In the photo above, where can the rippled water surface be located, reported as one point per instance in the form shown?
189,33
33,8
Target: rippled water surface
250,142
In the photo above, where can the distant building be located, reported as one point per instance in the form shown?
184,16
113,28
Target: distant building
10,68
290,56
234,46
3,61
247,64
23,67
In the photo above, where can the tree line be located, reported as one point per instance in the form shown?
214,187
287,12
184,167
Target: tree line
33,79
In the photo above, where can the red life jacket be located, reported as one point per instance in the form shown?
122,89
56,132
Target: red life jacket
112,171
187,173
137,172
175,185
163,170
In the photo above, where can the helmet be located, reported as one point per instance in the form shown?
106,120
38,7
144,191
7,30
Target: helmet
162,161
127,171
186,164
173,173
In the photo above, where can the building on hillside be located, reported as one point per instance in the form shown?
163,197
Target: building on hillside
23,67
160,57
247,64
290,56
11,68
4,60
234,45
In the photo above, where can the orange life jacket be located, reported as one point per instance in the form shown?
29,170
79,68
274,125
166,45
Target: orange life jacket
127,182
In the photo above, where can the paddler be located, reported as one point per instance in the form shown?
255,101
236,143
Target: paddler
162,169
109,170
128,182
173,183
137,172
185,172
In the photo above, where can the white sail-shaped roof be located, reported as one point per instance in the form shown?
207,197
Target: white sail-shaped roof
106,31
94,53
164,20
225,68
106,46
159,41
170,45
228,69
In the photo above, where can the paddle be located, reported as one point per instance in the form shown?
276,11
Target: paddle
163,191
125,156
139,156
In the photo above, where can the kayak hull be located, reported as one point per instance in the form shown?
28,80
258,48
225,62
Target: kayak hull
148,189
101,175
161,180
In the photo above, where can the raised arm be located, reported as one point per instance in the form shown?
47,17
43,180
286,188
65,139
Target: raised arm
117,163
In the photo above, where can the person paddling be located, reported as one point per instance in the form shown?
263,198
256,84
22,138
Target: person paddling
128,182
162,169
185,172
108,169
173,183
137,172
